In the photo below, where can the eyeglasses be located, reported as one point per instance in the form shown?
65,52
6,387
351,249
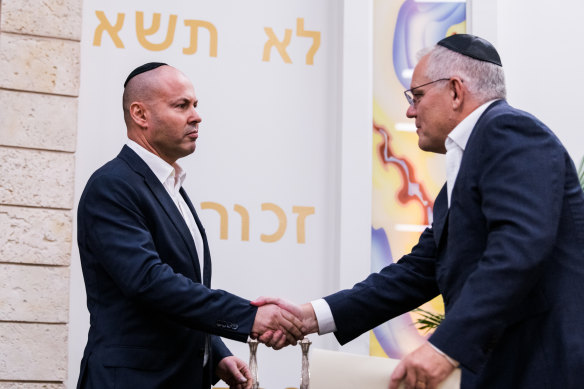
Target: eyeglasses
413,100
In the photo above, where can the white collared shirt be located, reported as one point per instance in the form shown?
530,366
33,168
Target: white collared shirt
456,143
172,178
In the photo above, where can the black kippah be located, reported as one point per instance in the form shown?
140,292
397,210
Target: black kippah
472,46
143,69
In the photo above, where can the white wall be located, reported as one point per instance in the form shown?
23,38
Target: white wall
540,43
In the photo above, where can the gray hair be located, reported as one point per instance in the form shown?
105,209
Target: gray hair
484,80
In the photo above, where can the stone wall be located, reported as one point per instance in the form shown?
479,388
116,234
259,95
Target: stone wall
39,84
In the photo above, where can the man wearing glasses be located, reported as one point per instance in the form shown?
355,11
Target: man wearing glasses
505,249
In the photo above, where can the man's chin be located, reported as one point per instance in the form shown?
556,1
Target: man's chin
188,150
425,146
422,145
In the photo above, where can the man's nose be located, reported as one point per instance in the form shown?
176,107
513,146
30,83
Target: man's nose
411,112
195,117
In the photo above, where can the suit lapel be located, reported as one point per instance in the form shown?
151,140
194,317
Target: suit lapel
157,189
207,255
440,214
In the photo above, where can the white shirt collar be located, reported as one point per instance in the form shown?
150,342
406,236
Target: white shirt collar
161,169
460,134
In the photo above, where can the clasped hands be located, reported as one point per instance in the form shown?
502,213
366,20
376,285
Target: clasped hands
279,323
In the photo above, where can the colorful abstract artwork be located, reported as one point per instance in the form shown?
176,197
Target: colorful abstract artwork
405,179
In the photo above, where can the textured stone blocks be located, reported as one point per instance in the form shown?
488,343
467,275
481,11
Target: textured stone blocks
39,82
35,236
55,18
29,385
39,64
33,352
38,121
36,178
34,293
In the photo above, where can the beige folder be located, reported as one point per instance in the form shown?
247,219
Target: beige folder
338,370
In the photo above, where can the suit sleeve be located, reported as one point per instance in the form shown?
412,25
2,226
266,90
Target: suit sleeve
520,181
396,289
114,232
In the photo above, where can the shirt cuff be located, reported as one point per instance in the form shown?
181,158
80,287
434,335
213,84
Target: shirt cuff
324,316
452,361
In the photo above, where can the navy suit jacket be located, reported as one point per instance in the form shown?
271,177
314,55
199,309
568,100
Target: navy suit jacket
151,312
507,257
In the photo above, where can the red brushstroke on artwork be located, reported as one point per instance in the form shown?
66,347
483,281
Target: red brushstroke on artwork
408,173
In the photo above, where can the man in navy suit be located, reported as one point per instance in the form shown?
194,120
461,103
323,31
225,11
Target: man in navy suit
505,249
155,322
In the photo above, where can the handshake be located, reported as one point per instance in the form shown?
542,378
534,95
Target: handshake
279,323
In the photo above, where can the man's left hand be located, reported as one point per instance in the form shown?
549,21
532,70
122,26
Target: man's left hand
423,368
235,373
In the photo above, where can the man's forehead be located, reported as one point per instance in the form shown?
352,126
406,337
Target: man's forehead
419,74
187,96
175,81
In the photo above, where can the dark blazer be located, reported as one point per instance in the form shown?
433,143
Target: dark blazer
507,257
150,310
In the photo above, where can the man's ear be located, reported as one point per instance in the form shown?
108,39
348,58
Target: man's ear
456,92
138,114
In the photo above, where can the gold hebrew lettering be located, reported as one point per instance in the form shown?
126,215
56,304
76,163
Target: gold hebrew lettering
315,35
105,25
281,223
194,25
302,212
244,221
280,46
142,32
223,222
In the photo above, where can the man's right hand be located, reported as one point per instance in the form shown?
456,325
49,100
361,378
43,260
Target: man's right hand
305,321
276,327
